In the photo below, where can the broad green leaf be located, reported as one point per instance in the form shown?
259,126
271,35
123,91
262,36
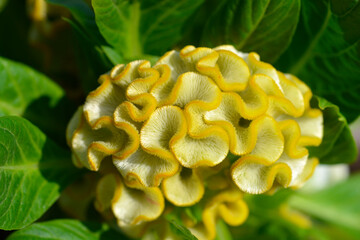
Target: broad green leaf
135,28
321,56
33,172
20,85
338,204
66,229
264,26
178,228
338,145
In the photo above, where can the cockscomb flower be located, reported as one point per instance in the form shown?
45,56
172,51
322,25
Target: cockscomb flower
200,127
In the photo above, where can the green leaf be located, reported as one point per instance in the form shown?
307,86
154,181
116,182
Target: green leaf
325,55
66,229
135,28
338,204
178,228
20,85
338,145
264,26
33,172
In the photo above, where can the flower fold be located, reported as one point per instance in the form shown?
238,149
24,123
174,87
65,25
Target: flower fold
200,127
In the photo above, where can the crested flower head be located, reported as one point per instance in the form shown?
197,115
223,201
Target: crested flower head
200,127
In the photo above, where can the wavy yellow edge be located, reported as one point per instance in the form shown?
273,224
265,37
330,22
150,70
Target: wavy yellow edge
247,104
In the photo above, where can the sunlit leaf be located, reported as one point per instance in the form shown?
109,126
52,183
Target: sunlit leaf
135,28
20,85
33,172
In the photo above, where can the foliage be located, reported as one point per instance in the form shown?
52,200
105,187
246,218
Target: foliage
33,172
65,229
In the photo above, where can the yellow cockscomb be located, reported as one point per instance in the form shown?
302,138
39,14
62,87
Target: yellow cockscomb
172,131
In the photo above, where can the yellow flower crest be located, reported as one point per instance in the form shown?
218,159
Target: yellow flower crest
200,122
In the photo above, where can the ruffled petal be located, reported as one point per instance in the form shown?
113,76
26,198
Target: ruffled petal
165,126
144,169
91,146
311,126
307,172
270,141
138,92
232,49
123,121
133,205
103,101
197,126
290,102
194,152
123,75
254,176
175,123
191,56
292,134
245,134
304,89
227,205
185,188
73,124
170,67
296,166
311,121
194,88
130,206
228,70
257,66
293,95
